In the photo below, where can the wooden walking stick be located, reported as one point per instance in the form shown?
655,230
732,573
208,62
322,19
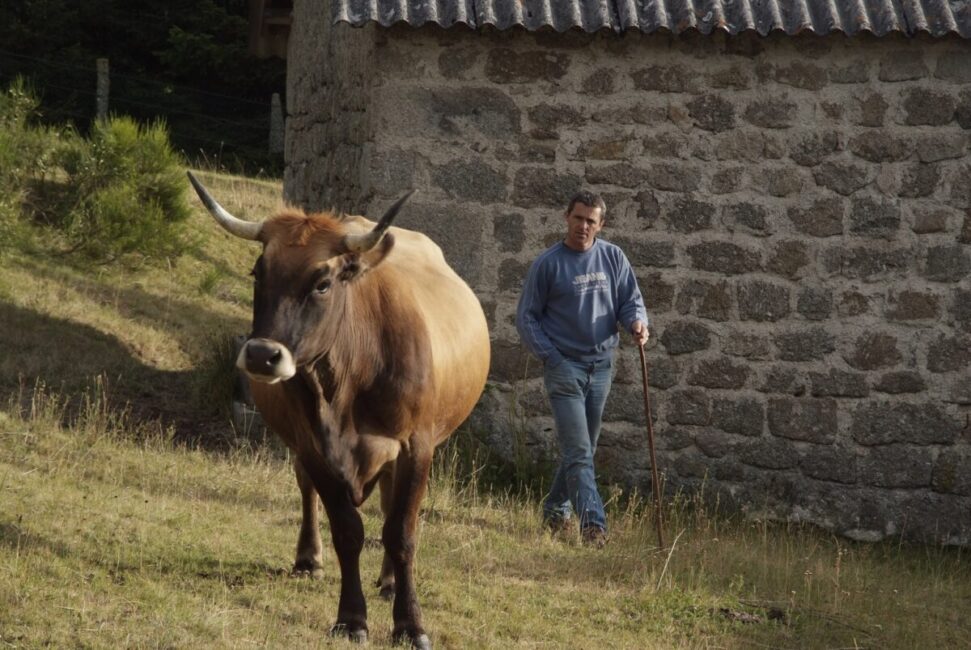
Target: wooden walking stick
655,484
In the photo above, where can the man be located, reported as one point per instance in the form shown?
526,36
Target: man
574,295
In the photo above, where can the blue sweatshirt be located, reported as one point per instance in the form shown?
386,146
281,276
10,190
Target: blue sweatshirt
572,302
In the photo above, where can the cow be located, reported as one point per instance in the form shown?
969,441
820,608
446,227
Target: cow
366,352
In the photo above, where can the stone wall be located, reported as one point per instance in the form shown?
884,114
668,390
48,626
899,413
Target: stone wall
796,210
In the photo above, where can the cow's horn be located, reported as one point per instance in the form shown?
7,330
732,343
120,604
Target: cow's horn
367,241
238,227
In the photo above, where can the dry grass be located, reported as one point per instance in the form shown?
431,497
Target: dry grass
131,528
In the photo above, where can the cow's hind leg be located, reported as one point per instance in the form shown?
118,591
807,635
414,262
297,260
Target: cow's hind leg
310,550
410,483
347,533
386,580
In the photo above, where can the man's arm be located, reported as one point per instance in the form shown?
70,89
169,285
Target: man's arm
532,302
631,313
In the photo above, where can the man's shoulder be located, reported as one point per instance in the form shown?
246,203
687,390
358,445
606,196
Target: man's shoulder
550,253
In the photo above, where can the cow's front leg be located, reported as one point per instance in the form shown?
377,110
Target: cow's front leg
347,533
410,484
310,549
385,581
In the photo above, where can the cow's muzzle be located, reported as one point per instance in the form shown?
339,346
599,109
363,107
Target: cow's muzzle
266,361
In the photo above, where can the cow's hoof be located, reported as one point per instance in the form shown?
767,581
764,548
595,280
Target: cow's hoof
307,570
420,641
356,635
386,592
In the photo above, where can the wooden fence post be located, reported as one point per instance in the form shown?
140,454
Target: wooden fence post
276,124
102,91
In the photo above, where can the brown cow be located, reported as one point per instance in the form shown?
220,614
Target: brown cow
367,351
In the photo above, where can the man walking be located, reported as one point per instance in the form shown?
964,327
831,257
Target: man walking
575,294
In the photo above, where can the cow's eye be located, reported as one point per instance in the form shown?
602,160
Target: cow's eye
323,286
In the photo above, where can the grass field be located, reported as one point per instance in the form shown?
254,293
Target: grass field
154,525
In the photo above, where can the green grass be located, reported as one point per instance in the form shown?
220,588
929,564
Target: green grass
131,516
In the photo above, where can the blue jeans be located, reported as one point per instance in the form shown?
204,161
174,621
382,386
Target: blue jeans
577,391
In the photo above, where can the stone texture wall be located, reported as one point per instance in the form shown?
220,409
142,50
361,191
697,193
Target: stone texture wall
796,210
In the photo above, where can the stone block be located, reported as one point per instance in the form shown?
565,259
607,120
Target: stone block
662,78
509,231
799,74
719,373
853,303
657,293
600,82
952,472
949,354
723,257
843,178
900,382
811,148
903,65
838,383
534,186
748,346
683,337
746,217
824,218
512,273
512,362
883,422
873,109
788,259
728,180
947,263
706,300
934,147
919,180
768,453
771,113
470,180
804,345
744,416
826,463
674,177
784,379
712,113
913,305
872,217
620,174
656,254
954,66
815,303
927,107
689,406
868,263
896,466
507,66
879,146
762,301
487,110
686,215
810,420
873,351
782,181
927,220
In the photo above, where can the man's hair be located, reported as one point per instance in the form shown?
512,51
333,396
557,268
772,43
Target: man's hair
588,199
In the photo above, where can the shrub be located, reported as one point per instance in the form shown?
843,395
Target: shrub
128,191
26,153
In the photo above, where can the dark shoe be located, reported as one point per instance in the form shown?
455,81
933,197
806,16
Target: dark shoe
559,526
594,536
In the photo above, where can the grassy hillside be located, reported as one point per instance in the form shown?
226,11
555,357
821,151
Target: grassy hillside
152,525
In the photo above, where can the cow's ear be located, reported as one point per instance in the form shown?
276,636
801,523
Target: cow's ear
354,265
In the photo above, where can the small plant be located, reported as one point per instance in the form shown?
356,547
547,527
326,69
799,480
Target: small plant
128,191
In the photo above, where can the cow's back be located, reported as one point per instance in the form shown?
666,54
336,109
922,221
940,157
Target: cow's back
452,316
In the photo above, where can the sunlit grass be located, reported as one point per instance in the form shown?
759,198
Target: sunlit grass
113,535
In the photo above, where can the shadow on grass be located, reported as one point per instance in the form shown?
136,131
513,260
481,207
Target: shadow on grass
65,357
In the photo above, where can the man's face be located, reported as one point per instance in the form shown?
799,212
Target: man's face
583,223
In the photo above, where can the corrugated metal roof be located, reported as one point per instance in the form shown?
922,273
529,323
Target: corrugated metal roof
879,17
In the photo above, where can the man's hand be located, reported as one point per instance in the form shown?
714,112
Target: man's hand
639,330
